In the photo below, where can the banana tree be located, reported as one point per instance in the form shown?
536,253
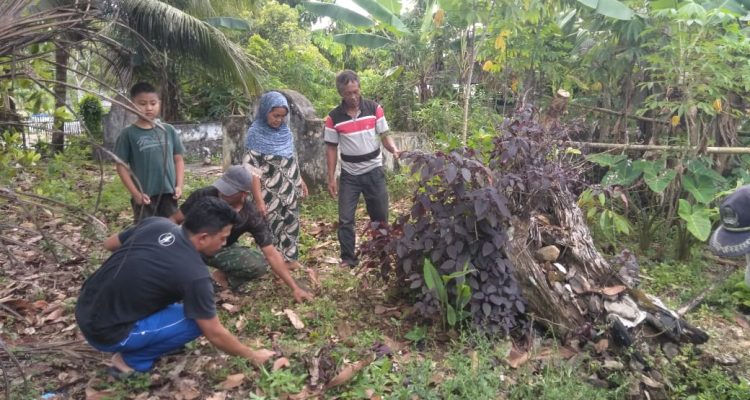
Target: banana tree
380,27
610,8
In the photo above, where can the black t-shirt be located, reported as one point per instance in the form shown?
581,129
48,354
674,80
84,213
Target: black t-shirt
250,219
156,266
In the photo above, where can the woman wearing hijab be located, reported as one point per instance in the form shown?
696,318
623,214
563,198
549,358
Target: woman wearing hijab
270,148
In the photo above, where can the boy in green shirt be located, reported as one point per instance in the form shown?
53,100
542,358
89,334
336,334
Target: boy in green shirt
154,153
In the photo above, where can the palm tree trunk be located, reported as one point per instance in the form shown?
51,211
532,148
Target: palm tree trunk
61,76
170,94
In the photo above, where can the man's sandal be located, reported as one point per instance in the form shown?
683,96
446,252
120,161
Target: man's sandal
118,375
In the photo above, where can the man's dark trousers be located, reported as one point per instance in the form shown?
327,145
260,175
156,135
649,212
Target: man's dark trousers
372,185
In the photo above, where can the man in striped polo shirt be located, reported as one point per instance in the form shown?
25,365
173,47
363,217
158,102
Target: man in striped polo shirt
356,127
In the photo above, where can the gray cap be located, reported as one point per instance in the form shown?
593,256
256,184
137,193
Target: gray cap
235,179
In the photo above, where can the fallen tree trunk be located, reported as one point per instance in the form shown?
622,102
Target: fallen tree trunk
579,289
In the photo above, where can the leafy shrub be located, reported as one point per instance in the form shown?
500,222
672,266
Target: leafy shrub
741,293
14,157
443,118
215,102
91,111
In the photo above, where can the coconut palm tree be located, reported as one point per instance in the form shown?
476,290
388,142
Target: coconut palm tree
116,31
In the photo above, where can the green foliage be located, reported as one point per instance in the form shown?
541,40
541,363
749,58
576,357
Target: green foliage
679,282
213,102
441,119
338,13
388,21
91,112
453,309
697,217
701,62
692,381
274,384
700,186
379,375
285,51
179,33
416,334
609,8
604,214
741,294
229,23
559,380
14,157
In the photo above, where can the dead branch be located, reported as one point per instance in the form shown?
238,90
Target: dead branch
705,292
28,246
76,348
12,195
15,361
38,226
724,261
11,257
11,311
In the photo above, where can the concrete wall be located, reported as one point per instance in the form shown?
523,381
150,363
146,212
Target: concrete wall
195,137
199,138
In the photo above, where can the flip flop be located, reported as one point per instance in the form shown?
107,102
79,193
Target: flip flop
120,375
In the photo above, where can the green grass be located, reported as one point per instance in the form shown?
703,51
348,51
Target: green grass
561,380
320,206
691,379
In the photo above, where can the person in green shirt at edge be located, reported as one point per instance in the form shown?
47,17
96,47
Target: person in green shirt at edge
154,153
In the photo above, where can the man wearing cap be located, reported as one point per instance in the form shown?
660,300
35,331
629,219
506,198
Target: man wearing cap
732,238
238,264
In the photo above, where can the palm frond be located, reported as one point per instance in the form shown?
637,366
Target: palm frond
167,28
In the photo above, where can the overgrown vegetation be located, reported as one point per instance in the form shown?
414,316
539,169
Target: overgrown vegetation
656,72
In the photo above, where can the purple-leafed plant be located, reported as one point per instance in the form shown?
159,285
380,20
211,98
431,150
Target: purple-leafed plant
459,219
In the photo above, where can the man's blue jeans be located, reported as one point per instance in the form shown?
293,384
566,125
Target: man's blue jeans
372,185
153,336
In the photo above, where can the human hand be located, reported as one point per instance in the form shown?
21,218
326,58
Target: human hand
142,199
305,192
396,154
259,357
261,206
332,187
177,192
301,295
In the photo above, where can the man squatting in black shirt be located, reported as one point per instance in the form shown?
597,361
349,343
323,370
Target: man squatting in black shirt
154,293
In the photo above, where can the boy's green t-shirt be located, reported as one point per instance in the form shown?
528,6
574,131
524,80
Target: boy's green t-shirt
150,154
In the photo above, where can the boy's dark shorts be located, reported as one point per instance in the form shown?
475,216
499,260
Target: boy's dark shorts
162,205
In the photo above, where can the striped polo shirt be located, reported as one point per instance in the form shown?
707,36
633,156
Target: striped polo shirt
357,138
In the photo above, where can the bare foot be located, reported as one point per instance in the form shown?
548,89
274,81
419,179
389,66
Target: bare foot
220,278
119,363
